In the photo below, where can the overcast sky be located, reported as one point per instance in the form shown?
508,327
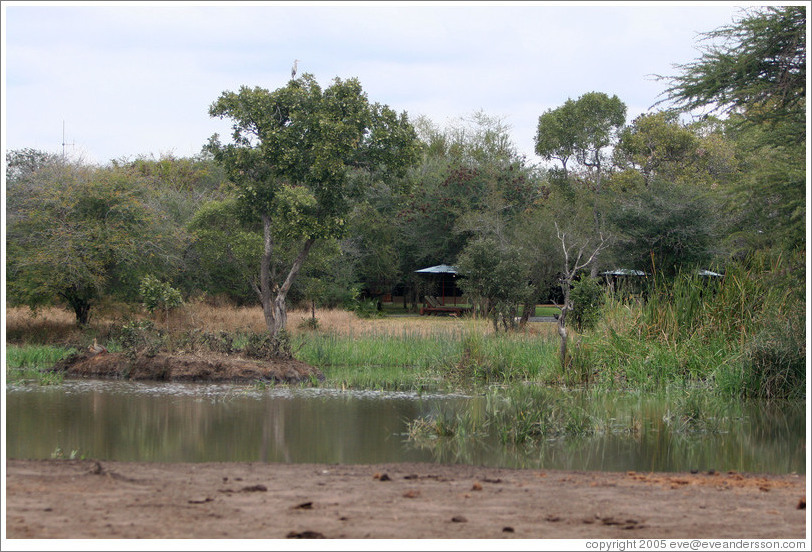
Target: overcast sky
138,78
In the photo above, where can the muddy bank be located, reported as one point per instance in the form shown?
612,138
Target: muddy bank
186,368
100,499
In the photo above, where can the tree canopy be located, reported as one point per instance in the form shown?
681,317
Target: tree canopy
291,152
77,233
755,66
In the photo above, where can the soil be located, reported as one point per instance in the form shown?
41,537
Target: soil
164,367
93,499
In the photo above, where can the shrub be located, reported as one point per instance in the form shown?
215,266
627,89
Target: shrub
774,362
140,337
156,294
267,347
587,298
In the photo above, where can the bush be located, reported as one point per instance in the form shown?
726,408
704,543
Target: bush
587,298
774,364
367,308
156,294
268,347
140,337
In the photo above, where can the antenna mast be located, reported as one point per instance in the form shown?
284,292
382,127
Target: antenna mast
63,140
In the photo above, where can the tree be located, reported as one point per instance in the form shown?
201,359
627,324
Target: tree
471,181
495,278
656,145
79,232
756,65
579,251
755,71
581,129
666,227
224,250
289,157
564,218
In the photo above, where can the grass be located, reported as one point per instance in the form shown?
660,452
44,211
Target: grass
450,355
31,362
743,337
528,415
399,352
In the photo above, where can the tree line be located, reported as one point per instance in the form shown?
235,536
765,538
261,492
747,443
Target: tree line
319,194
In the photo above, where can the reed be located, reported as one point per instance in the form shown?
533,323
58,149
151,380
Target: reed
458,356
32,362
745,334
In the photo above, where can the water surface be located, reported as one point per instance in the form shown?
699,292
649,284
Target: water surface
170,422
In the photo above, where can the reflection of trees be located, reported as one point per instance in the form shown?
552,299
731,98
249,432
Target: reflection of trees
273,432
247,425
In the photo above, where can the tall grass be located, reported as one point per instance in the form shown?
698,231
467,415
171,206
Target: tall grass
450,356
529,415
743,335
32,362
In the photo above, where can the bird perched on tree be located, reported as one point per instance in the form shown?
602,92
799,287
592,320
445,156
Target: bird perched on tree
293,69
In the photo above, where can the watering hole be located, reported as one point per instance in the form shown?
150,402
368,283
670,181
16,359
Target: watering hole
172,422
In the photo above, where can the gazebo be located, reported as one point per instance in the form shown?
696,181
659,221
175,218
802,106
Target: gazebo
447,276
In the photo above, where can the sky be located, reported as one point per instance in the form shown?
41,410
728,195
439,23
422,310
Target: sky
129,79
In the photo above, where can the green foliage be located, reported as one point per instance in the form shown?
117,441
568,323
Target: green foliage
35,356
580,129
587,299
755,70
744,335
156,294
698,154
224,250
292,148
34,362
768,203
664,228
140,338
495,278
291,152
78,233
757,64
263,346
367,308
471,183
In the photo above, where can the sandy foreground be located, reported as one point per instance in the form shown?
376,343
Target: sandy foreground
89,499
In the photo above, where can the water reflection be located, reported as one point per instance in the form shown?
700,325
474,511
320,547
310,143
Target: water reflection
129,421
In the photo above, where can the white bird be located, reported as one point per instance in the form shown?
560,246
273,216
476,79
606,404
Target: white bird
293,69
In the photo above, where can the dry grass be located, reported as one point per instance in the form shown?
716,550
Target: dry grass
57,325
49,326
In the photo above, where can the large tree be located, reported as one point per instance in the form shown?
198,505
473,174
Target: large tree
583,130
666,227
470,182
289,157
77,233
757,65
754,70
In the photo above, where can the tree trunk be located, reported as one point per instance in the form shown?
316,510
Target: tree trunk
79,304
273,296
562,332
528,311
562,323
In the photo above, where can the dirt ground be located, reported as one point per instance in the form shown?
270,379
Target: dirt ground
163,367
114,500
